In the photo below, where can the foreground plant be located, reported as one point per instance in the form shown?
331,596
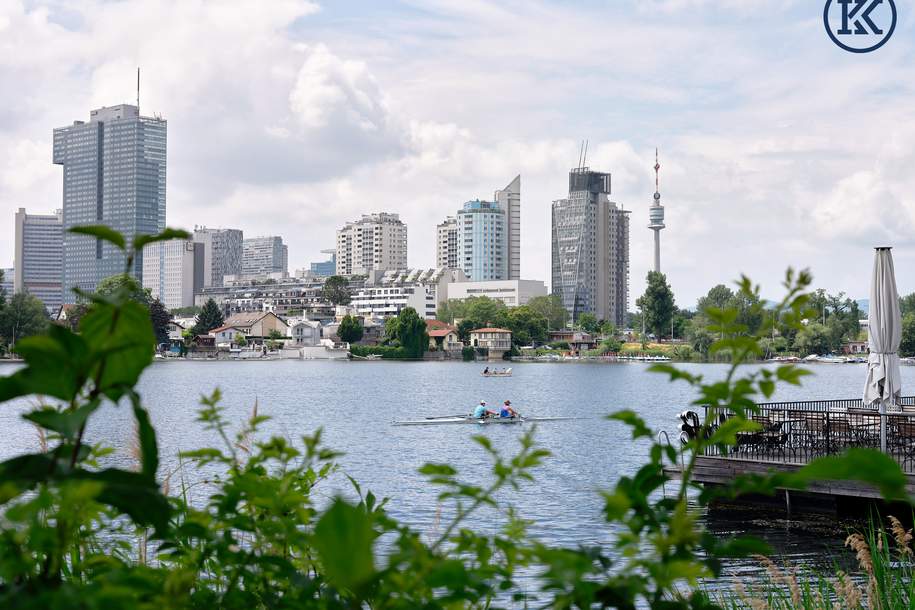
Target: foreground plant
74,534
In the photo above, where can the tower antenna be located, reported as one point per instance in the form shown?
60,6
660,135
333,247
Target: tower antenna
585,162
138,89
657,166
581,149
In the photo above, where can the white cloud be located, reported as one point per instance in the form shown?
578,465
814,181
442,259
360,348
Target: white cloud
776,147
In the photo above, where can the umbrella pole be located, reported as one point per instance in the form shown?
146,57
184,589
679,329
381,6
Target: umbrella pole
883,426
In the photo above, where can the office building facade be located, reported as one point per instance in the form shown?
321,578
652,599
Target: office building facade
483,240
374,242
446,244
509,199
222,253
114,174
38,257
263,256
590,249
325,268
173,271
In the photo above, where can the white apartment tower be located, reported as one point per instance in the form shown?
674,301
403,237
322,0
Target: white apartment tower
509,199
173,271
38,257
374,242
263,256
446,244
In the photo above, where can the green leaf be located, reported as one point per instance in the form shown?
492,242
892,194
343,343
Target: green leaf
132,493
865,465
125,336
57,365
343,539
149,449
166,235
65,423
102,232
629,417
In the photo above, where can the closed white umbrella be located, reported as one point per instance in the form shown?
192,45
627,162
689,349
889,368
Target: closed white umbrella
884,331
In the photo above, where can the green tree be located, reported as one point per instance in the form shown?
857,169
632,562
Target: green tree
451,310
23,316
483,310
550,307
275,339
411,333
718,297
336,290
126,284
657,305
906,303
588,323
907,345
350,330
391,331
607,328
210,317
160,318
193,310
527,325
700,339
2,290
813,339
464,327
240,340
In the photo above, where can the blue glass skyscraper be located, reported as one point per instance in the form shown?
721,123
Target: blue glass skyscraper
114,174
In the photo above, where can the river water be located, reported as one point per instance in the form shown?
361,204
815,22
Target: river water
355,403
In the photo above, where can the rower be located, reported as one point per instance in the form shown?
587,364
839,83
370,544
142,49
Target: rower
486,371
481,412
508,411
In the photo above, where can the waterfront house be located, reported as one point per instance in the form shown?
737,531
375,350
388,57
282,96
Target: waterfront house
496,340
225,335
303,332
578,341
443,337
256,325
855,347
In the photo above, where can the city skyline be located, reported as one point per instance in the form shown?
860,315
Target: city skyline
765,172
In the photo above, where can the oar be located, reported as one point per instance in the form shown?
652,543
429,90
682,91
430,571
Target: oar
449,416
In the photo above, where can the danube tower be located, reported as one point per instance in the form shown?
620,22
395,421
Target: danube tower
656,215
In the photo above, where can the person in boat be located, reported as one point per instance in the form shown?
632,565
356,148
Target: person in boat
486,371
508,411
481,412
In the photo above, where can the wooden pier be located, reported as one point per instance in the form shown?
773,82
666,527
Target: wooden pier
793,434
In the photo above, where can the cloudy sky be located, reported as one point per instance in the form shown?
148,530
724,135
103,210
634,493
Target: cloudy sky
289,117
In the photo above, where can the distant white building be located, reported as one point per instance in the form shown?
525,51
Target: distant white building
510,292
389,301
222,251
173,271
264,255
302,332
446,244
374,242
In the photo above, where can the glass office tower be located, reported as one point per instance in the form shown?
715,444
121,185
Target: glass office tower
114,174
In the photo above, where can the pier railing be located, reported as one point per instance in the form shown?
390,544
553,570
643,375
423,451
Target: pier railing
798,432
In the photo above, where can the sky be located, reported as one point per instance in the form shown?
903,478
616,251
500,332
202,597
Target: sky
290,117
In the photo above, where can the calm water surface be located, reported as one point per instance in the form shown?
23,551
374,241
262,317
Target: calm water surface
355,403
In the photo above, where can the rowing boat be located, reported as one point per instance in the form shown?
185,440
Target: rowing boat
429,421
505,373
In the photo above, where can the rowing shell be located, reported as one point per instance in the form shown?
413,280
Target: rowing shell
473,420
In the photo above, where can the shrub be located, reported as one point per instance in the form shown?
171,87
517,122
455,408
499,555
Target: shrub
385,351
468,354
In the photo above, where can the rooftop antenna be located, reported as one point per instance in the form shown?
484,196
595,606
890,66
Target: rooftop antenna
657,166
585,162
581,150
138,89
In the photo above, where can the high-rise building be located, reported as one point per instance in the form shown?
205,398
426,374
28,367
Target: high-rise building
446,244
509,199
114,175
38,257
173,271
222,253
325,268
483,240
590,258
264,255
6,283
374,242
656,215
